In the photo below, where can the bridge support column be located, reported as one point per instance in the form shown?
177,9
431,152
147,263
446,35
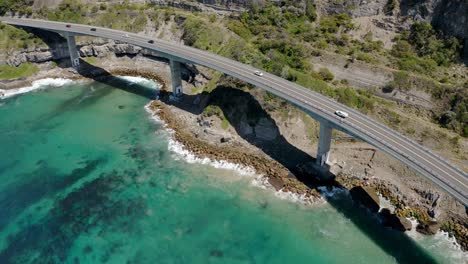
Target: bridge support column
324,144
176,78
74,55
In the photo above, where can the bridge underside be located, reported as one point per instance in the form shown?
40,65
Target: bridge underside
325,136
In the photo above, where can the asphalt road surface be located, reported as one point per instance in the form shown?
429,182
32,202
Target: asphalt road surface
433,167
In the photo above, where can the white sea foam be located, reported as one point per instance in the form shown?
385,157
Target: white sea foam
182,153
440,241
295,197
36,85
142,81
332,192
260,181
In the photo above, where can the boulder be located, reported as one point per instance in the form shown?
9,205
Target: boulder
367,197
396,222
86,51
224,140
429,228
277,184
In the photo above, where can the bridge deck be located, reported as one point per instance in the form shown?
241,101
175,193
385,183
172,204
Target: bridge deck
433,167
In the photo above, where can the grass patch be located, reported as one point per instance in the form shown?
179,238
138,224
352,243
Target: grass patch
91,60
12,72
225,124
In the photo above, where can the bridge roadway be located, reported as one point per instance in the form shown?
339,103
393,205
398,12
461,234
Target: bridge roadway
428,164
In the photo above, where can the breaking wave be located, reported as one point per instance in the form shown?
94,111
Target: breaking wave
36,85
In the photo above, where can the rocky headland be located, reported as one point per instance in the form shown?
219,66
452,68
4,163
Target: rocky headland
248,142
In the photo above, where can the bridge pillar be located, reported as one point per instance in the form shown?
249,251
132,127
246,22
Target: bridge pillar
324,144
176,78
74,55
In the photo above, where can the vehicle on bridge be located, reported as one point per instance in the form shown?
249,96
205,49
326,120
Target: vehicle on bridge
341,114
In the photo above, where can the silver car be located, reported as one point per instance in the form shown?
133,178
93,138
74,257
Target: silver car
341,114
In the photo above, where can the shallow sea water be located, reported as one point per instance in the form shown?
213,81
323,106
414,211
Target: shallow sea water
87,177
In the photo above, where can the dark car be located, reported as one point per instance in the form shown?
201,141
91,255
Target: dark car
150,41
68,25
93,29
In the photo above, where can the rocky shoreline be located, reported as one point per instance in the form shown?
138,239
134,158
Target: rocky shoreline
282,179
278,175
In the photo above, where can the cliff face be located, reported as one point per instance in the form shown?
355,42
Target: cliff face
355,8
451,16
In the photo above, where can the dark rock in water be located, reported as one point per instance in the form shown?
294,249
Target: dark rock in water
88,249
121,107
216,253
396,222
277,184
428,229
367,197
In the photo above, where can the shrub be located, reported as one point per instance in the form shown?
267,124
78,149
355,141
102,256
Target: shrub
311,12
213,110
103,6
326,74
240,29
365,57
415,64
14,5
428,43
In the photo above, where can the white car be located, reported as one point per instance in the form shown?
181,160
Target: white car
126,35
341,114
258,73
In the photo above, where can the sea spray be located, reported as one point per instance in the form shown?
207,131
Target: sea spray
36,85
191,218
142,81
260,181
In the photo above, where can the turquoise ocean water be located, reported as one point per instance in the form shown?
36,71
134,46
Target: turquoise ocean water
86,177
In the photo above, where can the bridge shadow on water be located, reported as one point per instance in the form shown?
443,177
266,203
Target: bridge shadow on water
395,243
102,76
57,44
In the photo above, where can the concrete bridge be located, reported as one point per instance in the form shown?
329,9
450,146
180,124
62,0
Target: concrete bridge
428,164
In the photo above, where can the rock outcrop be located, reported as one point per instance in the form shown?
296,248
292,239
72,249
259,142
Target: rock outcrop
367,197
428,229
88,49
451,16
355,8
394,221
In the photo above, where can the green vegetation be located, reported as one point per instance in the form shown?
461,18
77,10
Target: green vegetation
452,108
12,38
68,11
454,114
213,110
422,49
16,6
282,41
11,72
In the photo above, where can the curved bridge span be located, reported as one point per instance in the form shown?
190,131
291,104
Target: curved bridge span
429,165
